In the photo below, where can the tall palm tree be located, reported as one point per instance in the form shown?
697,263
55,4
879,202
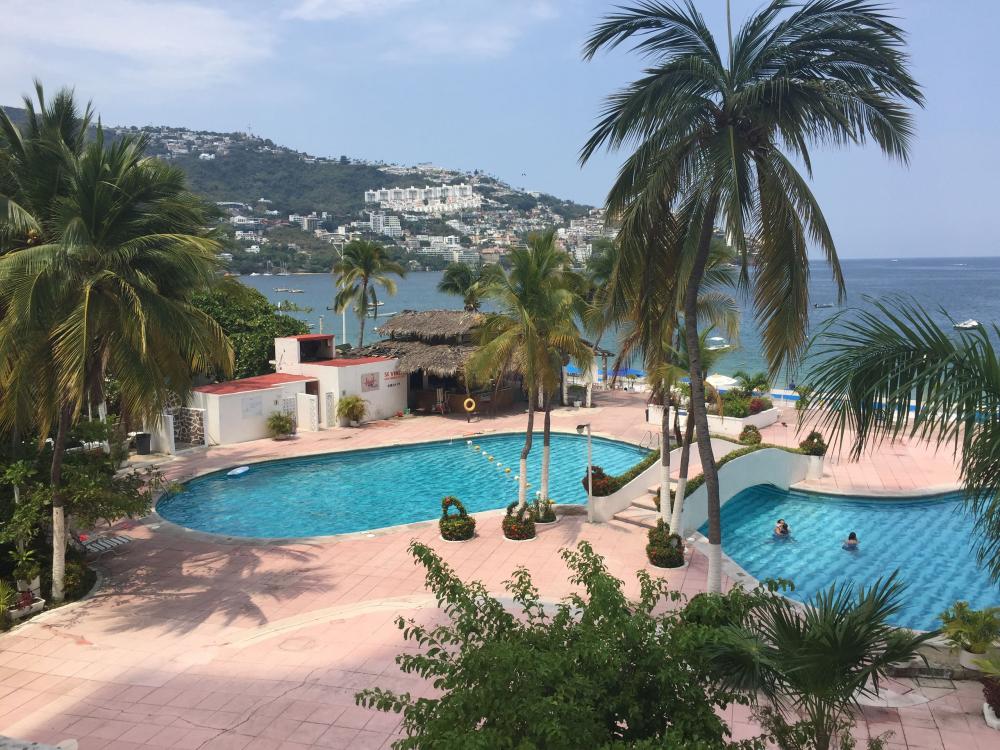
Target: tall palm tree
104,287
872,366
532,332
361,267
716,139
469,283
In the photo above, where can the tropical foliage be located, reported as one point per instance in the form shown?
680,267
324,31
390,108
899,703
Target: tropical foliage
363,266
533,334
716,141
890,370
469,283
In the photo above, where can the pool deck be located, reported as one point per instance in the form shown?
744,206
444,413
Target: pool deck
190,643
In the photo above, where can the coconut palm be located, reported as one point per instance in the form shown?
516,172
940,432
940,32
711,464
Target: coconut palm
532,334
469,283
361,267
816,661
716,139
104,286
750,384
872,366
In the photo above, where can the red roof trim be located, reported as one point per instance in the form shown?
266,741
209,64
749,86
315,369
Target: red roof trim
258,383
348,361
313,337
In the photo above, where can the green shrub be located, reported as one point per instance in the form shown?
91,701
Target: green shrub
659,533
750,436
735,405
352,408
813,445
697,481
609,484
280,424
8,595
972,630
665,550
79,579
520,525
458,527
543,511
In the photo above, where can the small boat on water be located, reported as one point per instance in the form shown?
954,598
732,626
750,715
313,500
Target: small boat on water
966,325
294,291
823,305
716,342
281,289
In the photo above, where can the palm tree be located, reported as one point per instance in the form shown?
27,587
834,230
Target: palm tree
362,265
716,140
531,334
104,285
749,384
469,283
872,366
784,652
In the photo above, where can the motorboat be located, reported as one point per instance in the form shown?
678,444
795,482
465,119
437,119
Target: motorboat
967,325
823,305
716,342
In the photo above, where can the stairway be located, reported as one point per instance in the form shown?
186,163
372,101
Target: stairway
642,512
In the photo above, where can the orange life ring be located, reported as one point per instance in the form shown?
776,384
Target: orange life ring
470,405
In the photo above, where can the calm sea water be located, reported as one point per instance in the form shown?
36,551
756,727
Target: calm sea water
964,287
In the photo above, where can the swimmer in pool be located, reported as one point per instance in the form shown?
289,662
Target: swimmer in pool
781,528
851,543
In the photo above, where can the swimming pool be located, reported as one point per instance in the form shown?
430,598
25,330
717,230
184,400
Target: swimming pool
929,540
359,490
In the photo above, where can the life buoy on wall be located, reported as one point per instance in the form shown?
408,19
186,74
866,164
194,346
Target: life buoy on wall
470,405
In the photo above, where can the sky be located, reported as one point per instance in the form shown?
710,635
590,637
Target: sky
498,85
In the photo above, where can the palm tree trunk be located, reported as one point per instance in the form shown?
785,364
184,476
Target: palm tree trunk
59,505
698,411
665,460
522,479
363,309
677,520
546,449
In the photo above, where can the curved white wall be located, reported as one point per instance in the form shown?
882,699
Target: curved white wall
766,466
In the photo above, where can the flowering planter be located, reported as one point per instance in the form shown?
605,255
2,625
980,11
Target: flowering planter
815,468
19,613
733,426
456,541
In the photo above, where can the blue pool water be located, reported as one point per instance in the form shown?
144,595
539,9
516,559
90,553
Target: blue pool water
930,541
369,489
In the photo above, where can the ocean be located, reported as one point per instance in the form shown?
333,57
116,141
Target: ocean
963,287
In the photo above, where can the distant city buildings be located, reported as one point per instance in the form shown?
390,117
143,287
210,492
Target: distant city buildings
434,200
387,226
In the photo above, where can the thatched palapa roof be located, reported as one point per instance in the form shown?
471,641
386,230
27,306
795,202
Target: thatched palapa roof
441,360
431,325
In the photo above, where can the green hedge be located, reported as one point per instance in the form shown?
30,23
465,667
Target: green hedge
697,481
612,483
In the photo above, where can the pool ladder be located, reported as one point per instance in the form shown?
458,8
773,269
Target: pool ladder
651,440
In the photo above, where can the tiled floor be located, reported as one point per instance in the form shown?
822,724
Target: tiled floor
195,643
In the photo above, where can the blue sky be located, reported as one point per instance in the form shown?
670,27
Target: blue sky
492,84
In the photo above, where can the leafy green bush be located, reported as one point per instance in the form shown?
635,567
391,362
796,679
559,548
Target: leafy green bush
609,484
664,550
352,408
520,525
972,630
813,445
750,436
735,405
280,424
456,528
543,511
79,579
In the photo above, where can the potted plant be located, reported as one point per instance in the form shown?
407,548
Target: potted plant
665,550
543,511
280,425
455,527
971,632
990,669
518,526
815,447
27,571
352,409
577,393
750,436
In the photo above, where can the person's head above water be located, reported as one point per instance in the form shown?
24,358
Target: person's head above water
852,537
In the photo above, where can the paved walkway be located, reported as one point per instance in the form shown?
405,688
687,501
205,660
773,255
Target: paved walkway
194,643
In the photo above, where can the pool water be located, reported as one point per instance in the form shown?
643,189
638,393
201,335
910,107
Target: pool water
930,541
337,493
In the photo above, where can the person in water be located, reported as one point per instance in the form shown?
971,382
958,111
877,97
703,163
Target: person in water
851,543
781,528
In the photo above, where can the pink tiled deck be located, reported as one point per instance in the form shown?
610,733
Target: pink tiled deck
195,643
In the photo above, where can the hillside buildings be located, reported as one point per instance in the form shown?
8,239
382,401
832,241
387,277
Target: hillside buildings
434,200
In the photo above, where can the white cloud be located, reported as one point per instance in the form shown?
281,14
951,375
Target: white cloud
168,44
329,10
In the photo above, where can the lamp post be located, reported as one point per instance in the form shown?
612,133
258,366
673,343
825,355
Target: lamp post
590,470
